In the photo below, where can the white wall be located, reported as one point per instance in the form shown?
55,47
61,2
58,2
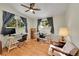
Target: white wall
72,17
59,21
29,26
33,23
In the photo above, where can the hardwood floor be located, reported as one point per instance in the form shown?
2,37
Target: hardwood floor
30,48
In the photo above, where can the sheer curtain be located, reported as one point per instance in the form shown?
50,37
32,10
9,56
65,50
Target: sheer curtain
39,20
25,23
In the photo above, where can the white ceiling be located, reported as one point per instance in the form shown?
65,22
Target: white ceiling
47,9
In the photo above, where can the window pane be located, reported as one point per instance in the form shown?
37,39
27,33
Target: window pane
11,23
20,23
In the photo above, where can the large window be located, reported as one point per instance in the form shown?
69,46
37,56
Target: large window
16,24
13,23
44,26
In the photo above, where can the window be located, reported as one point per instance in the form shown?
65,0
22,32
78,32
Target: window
11,23
44,23
20,23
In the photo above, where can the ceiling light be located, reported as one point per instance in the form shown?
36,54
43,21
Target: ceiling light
31,10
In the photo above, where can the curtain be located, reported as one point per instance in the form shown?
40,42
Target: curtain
50,21
6,18
39,20
25,23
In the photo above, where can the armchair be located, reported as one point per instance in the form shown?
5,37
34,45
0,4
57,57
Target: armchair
69,49
12,43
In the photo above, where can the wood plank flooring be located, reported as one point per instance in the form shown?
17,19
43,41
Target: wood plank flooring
30,48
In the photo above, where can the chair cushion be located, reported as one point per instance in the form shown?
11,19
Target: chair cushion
69,46
74,51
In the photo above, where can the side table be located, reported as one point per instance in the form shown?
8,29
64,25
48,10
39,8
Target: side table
0,47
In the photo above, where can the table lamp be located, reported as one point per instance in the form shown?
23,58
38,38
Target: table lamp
63,32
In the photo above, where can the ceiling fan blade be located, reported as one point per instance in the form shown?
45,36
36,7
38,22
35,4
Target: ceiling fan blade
33,12
25,6
32,5
36,9
26,10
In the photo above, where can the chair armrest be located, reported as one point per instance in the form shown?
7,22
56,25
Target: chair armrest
61,51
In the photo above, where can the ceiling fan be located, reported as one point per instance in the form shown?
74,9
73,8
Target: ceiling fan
31,8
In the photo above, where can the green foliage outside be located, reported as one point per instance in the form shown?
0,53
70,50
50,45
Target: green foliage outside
45,23
13,23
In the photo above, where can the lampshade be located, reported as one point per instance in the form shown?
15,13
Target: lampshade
63,31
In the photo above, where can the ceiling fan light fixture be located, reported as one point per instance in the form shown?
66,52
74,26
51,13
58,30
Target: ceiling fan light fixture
31,10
